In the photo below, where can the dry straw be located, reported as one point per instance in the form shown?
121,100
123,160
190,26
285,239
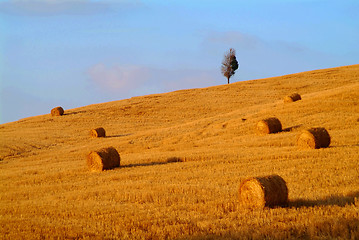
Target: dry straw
103,159
57,111
260,192
292,98
98,132
269,125
314,138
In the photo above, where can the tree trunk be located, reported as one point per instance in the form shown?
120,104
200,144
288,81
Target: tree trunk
228,79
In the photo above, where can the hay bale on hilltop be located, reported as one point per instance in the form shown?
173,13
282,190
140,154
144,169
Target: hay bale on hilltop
269,125
103,159
313,138
260,192
57,111
292,98
98,132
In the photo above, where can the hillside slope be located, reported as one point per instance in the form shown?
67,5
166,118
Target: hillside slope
47,190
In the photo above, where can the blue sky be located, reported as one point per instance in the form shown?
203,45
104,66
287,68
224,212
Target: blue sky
73,53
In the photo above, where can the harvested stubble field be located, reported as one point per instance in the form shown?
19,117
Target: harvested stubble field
183,155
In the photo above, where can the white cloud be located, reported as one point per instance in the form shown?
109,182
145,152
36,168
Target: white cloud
135,80
190,78
119,77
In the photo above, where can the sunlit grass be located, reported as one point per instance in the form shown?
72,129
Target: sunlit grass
183,155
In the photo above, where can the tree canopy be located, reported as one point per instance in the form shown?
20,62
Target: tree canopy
229,64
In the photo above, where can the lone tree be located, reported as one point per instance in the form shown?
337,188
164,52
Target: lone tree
229,64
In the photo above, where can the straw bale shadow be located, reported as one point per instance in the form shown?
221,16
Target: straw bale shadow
168,160
73,113
333,200
289,129
340,146
119,135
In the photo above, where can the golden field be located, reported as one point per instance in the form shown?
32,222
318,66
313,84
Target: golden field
183,155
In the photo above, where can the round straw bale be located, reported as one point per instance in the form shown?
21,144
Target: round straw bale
269,125
103,159
260,192
98,132
292,98
313,138
57,111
